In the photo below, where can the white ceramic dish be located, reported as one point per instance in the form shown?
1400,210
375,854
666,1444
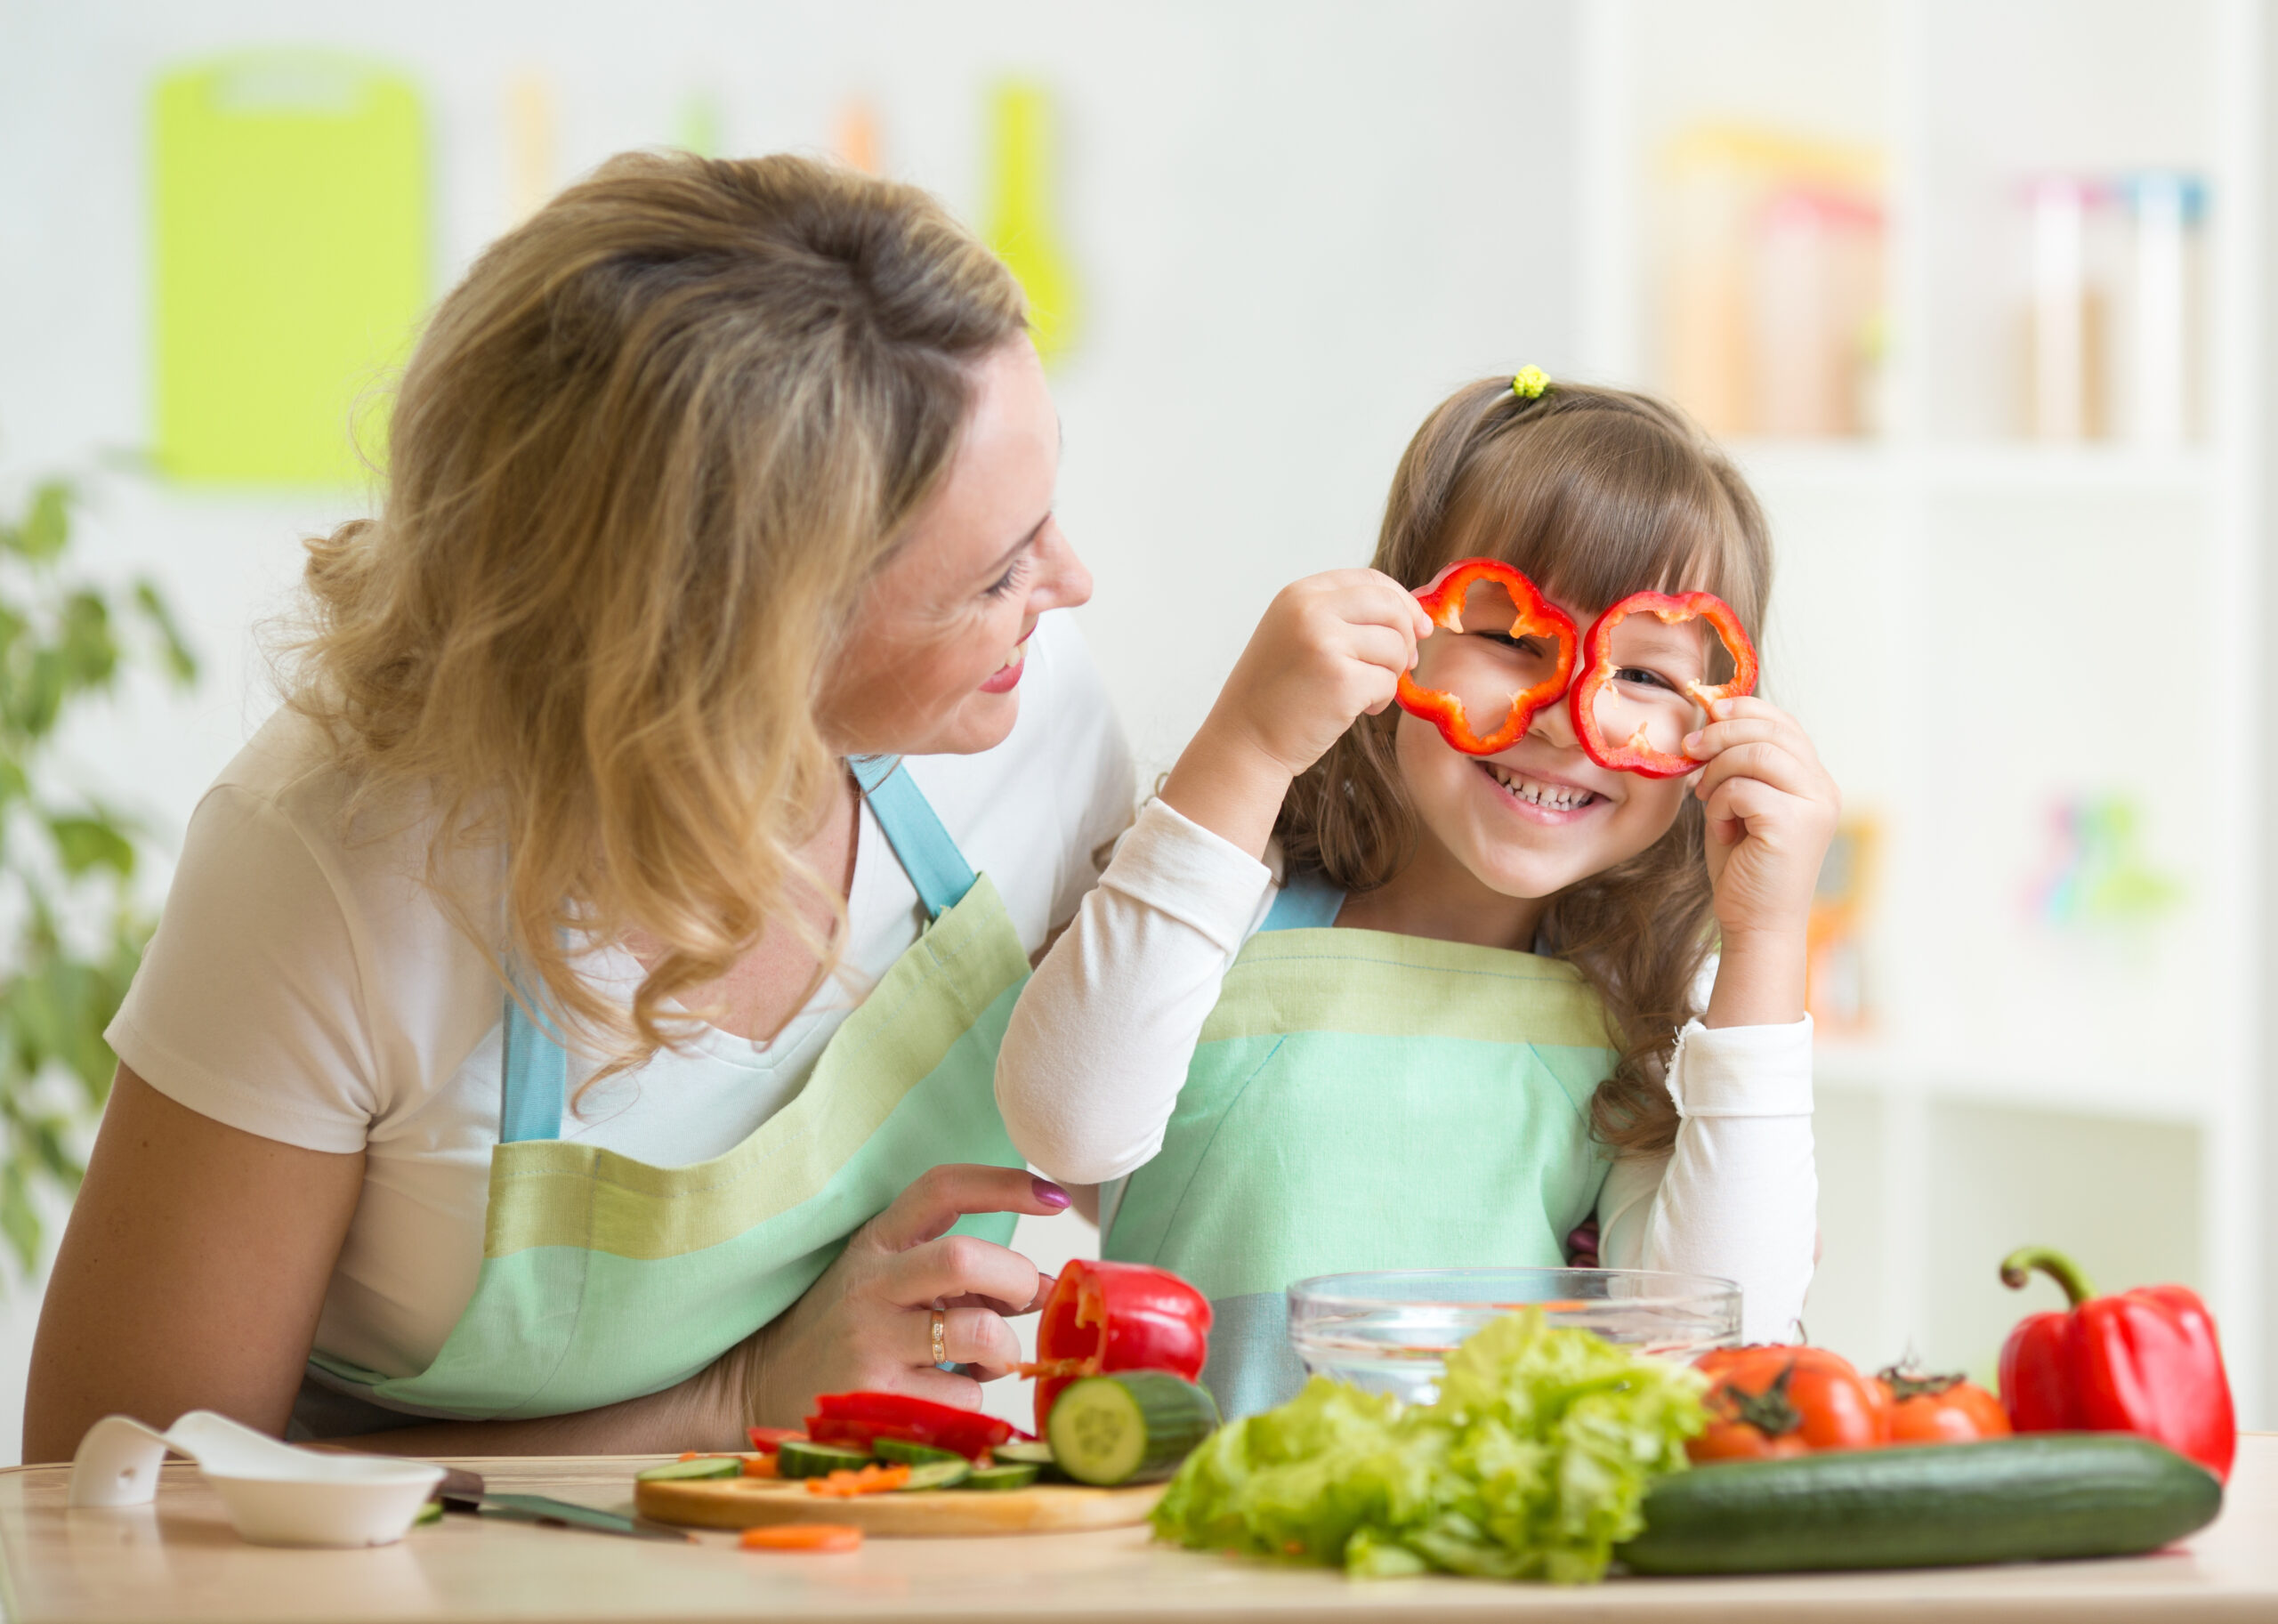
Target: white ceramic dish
275,1494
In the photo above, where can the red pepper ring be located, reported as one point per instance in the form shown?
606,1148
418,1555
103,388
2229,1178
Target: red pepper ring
1634,754
1442,599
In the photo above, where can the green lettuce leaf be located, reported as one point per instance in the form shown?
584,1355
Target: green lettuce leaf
1532,1464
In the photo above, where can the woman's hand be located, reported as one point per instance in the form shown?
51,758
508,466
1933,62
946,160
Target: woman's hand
1771,810
1329,648
868,1322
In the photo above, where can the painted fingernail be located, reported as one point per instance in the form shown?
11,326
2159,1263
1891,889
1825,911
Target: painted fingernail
1051,1194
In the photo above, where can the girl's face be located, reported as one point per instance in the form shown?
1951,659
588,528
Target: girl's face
935,666
1533,819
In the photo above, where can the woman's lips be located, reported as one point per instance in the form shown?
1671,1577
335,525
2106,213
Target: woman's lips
1007,677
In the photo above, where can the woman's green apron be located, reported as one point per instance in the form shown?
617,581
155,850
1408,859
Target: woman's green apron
604,1277
1365,1101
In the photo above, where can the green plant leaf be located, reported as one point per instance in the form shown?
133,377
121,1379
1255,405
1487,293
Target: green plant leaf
41,699
47,527
83,844
19,1219
180,662
89,651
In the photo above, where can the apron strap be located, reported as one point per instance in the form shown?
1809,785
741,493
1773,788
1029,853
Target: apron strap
1307,903
535,1077
931,858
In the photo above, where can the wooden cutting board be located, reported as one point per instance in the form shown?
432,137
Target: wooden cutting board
923,1514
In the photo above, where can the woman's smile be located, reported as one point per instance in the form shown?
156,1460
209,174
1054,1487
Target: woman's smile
1007,677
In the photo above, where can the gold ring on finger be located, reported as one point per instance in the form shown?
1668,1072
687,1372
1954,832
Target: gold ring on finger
940,1347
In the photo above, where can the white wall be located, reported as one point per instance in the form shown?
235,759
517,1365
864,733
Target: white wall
1297,223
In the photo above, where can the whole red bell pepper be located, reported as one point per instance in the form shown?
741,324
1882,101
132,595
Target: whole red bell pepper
860,1419
1103,1317
1634,754
1442,599
2144,1362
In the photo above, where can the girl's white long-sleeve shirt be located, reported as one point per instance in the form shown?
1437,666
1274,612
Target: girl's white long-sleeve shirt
1100,1043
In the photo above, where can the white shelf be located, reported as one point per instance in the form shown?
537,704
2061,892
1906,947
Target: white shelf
1868,464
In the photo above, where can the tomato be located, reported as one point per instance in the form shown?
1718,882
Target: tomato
1771,1401
1941,1410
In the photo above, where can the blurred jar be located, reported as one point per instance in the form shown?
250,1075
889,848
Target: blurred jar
2158,387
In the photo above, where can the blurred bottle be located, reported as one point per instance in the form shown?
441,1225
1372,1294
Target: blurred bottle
2064,312
1024,212
1771,272
2157,396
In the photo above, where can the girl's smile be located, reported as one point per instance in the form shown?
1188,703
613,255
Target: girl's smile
1540,798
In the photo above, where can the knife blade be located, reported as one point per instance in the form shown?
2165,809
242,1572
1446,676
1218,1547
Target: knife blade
465,1491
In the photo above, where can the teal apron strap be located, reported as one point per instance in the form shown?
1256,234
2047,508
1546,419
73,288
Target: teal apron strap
536,1075
931,858
1307,903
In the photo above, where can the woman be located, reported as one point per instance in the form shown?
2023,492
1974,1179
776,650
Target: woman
571,1028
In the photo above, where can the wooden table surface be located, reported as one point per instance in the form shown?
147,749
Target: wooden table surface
178,1560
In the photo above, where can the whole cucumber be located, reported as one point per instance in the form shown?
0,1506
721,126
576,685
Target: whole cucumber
2045,1497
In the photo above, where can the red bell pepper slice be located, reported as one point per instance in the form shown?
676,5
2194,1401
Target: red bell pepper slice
1442,599
1634,754
2145,1362
768,1440
1115,1316
860,1419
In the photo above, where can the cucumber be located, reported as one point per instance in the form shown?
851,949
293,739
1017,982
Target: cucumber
913,1454
703,1465
939,1473
1134,1428
1021,1451
2045,1497
798,1457
1012,1474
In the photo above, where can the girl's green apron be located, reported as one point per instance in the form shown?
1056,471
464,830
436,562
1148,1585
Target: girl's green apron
605,1279
1365,1101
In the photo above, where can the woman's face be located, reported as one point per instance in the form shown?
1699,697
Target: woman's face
1530,820
934,666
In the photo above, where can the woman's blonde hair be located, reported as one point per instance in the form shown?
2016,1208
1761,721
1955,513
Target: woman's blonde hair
639,469
1594,494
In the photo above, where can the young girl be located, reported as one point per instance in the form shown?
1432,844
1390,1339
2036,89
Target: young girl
1349,998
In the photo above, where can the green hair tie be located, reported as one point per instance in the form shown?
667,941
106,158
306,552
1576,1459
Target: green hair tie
1530,383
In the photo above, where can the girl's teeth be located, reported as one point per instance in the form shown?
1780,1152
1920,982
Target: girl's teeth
1554,797
1020,652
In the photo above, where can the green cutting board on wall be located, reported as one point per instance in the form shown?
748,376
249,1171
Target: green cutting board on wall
290,229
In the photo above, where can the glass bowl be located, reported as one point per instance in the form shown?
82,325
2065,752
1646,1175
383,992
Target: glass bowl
1392,1331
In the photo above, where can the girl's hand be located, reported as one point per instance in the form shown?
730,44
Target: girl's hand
1329,648
1771,810
867,1324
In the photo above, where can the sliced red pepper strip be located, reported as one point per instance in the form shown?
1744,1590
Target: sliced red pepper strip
1116,1316
767,1440
860,1419
1442,599
2145,1362
1633,754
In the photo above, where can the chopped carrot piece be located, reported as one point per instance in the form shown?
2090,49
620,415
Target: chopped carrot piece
804,1537
690,1454
845,1485
761,1465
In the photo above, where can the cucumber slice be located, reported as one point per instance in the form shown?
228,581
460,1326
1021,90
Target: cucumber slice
939,1473
1036,1454
1011,1474
913,1454
703,1465
430,1511
797,1457
1133,1428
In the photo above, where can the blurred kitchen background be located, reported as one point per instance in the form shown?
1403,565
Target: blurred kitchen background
1976,290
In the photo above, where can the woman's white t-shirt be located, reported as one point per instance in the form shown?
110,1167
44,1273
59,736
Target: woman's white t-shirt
310,989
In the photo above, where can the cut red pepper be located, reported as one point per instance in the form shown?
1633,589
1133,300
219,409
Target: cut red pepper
860,1419
2145,1362
767,1440
1634,754
1442,599
1103,1317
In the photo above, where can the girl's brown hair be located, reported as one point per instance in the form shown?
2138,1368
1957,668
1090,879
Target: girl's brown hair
640,467
1594,494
